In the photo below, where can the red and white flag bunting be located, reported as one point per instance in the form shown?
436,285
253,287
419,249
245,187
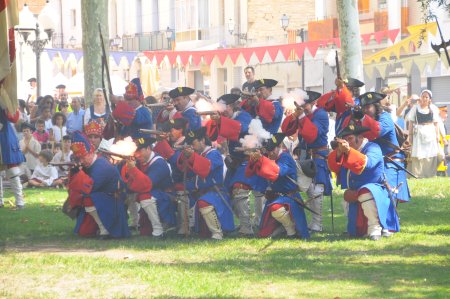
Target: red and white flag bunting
260,52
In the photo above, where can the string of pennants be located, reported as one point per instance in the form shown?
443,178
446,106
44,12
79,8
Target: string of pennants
195,57
78,54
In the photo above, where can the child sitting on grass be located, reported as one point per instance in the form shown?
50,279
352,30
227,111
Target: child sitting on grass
44,174
63,156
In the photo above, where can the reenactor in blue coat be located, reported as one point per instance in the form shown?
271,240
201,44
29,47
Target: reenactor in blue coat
284,204
312,124
264,106
93,188
382,132
150,177
233,124
359,165
213,205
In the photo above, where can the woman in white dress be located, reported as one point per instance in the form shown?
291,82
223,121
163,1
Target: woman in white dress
97,110
423,133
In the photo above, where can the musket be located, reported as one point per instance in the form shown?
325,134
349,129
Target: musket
154,132
112,154
247,149
181,147
246,95
157,105
62,164
399,166
443,45
206,112
338,69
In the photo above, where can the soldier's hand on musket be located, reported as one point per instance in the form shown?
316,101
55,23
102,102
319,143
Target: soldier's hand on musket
162,136
339,83
357,113
299,110
131,162
343,146
255,156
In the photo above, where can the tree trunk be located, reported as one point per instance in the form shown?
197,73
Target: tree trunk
92,13
351,64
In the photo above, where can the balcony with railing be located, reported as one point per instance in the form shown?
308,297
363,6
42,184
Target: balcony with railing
147,41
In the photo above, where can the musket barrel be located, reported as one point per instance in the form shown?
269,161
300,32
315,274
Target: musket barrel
154,132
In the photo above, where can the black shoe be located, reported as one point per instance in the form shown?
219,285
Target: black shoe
104,237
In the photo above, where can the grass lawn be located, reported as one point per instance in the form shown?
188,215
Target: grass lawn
41,258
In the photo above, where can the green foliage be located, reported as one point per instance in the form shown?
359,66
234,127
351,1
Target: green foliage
41,258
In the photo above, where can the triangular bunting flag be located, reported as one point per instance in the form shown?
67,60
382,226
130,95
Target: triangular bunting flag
392,34
150,55
172,57
159,56
196,58
260,52
130,56
379,35
117,56
407,66
368,69
64,54
184,57
366,38
234,55
299,50
286,51
273,52
208,57
421,62
313,47
247,54
381,67
222,56
51,53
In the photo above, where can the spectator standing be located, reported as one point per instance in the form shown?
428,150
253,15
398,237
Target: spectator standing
30,147
97,111
63,107
405,107
424,136
75,118
249,72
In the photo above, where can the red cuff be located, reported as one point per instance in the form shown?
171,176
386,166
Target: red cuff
343,100
333,164
229,128
374,126
326,101
212,129
200,165
81,183
355,161
265,110
308,130
251,167
164,149
289,125
136,180
268,169
124,113
13,118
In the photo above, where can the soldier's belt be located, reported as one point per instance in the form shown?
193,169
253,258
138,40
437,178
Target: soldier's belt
272,195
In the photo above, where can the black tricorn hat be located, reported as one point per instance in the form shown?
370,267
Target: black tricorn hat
352,82
276,139
264,82
181,92
312,96
371,98
308,167
229,98
144,142
176,123
198,134
352,130
60,86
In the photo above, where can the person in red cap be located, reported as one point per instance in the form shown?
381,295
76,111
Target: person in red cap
94,131
92,188
132,113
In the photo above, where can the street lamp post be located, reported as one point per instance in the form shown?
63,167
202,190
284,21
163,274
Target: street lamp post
239,35
170,35
37,45
46,19
284,23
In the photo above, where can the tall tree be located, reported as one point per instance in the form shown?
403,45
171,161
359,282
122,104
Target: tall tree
92,13
350,36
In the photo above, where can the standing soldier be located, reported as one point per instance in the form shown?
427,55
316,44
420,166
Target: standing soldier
182,107
382,132
93,188
359,165
312,123
233,124
132,113
284,203
10,156
151,179
263,105
213,203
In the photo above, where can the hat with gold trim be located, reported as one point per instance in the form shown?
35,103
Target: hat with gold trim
264,82
352,130
181,92
274,141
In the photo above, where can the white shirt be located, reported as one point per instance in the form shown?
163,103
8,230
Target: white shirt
31,161
61,157
46,174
